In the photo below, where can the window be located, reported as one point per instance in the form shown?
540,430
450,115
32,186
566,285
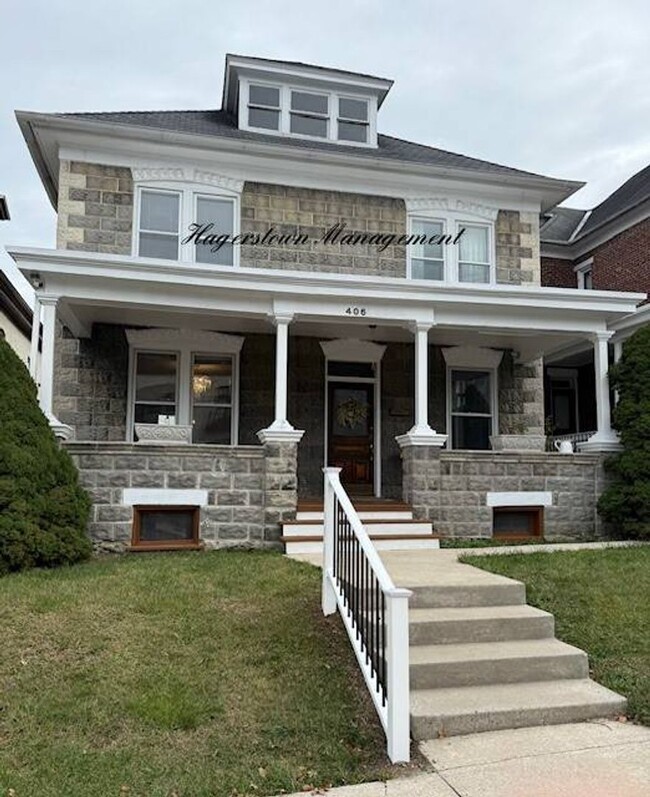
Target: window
428,259
156,527
353,120
514,522
471,409
309,114
164,220
211,399
264,107
159,224
155,394
584,273
473,253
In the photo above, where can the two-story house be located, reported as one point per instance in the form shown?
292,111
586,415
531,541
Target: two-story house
606,248
376,304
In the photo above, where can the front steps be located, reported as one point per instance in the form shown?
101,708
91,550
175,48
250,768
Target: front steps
389,524
481,659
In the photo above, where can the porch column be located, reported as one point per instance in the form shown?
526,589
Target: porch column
36,333
421,434
605,438
46,386
281,431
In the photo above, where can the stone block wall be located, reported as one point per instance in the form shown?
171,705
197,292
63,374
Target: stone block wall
521,397
449,488
245,503
95,208
517,248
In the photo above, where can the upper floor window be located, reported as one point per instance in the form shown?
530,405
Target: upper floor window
450,249
304,113
165,213
585,275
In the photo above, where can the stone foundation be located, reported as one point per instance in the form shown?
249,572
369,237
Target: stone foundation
250,489
449,488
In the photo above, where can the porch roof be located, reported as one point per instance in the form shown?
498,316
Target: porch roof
144,291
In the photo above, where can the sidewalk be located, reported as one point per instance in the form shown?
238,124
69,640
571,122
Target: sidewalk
588,759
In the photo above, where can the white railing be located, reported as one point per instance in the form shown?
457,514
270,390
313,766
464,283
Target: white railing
574,438
373,609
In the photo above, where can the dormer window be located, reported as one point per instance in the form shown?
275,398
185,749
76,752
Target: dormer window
353,120
309,114
264,107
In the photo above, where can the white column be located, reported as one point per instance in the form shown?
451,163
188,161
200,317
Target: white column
46,387
605,438
281,431
421,433
36,333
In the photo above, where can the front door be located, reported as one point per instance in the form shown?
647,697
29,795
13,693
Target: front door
351,433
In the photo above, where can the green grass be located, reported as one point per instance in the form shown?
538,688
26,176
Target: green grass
178,675
601,603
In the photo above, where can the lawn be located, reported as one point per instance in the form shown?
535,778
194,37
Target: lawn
178,675
601,603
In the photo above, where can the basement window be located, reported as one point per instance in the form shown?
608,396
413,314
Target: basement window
517,522
159,528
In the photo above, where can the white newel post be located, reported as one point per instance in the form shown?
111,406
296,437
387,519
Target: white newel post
605,438
46,386
397,653
421,433
36,333
328,597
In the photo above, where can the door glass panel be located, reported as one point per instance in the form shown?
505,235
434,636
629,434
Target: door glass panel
341,368
212,380
351,413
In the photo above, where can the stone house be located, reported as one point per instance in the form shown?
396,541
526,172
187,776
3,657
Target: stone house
604,249
202,385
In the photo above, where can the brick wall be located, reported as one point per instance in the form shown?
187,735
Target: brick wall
558,273
95,208
449,488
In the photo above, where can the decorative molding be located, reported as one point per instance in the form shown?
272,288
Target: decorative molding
218,180
160,173
466,207
280,434
417,437
133,496
472,357
353,350
163,433
186,174
185,338
519,499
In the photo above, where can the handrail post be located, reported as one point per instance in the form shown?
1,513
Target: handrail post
328,596
397,654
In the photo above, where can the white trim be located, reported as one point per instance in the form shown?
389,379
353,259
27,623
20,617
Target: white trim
451,205
353,350
185,338
472,357
519,499
581,271
133,496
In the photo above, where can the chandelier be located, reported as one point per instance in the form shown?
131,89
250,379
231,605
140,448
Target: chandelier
201,384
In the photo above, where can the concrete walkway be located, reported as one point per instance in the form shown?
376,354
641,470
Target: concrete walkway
588,759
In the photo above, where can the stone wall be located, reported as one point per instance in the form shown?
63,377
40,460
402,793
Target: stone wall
449,488
517,248
245,503
521,397
312,212
95,208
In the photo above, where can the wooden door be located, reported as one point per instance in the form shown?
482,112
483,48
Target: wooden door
351,434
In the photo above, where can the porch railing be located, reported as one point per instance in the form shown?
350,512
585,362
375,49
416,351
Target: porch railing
575,437
374,612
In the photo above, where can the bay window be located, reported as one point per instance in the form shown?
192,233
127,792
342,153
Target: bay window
471,408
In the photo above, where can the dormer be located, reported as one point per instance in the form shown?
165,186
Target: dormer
295,100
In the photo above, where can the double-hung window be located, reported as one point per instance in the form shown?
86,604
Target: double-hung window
471,408
155,392
427,256
353,120
264,107
473,253
167,215
309,114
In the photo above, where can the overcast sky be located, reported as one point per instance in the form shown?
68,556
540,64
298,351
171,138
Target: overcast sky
558,87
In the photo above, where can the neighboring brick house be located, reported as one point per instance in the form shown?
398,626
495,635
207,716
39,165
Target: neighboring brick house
389,318
608,249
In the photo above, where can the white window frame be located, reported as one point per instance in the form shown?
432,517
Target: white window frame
340,118
581,271
185,344
188,195
285,111
256,105
326,117
452,224
494,400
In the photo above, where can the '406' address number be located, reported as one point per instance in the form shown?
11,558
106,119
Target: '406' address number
358,311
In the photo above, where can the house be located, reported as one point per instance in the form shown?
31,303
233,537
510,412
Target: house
15,315
239,297
606,248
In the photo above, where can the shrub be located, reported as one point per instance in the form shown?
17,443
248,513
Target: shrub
626,502
43,510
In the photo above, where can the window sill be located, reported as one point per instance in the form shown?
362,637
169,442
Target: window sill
166,546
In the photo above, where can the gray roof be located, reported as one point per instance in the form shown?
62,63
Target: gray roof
223,125
560,224
303,65
629,195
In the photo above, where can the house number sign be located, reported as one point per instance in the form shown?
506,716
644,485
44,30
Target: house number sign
355,310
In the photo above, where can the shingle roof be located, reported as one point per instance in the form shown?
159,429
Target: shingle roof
222,124
631,193
303,65
561,223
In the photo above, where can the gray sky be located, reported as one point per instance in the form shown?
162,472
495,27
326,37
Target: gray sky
558,87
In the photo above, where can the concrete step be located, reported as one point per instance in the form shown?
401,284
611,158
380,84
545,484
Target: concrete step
443,666
474,709
375,528
401,542
364,514
478,624
509,593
